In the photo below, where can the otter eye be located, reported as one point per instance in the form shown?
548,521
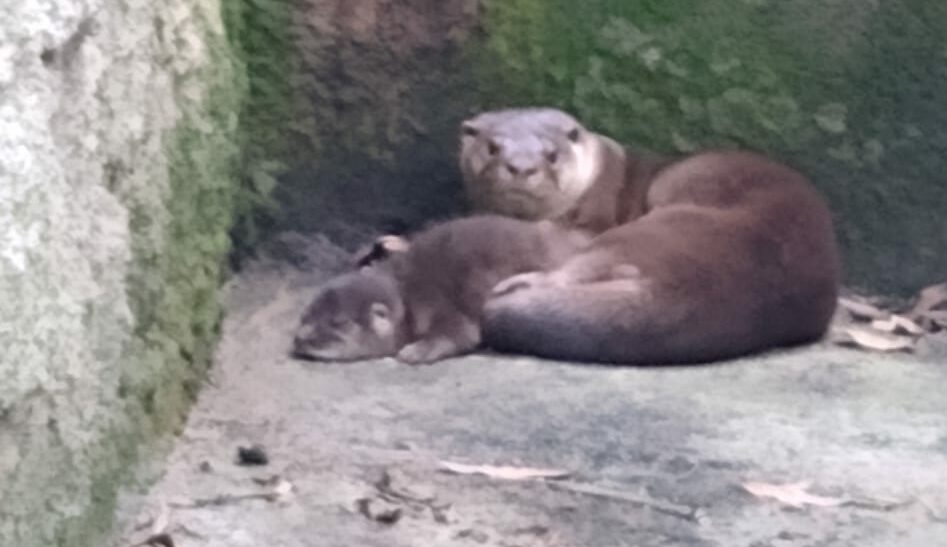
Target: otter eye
379,311
573,135
338,322
469,130
552,156
493,148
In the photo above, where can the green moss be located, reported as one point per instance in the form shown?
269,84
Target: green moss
115,457
382,116
271,132
173,289
840,100
177,294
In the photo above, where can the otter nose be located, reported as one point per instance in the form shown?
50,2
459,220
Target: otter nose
521,169
298,348
301,336
304,331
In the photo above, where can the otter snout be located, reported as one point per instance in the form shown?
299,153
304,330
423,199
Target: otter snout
302,342
525,171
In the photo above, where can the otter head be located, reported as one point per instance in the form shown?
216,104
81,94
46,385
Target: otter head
358,315
529,163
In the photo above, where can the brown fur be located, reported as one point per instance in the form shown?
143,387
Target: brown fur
619,194
730,253
541,163
425,300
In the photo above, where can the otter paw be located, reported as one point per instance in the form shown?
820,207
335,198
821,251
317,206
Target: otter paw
427,351
519,282
625,271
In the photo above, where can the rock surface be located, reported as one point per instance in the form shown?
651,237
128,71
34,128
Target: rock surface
656,455
114,206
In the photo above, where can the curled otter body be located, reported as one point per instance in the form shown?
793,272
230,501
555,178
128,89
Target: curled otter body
423,300
709,257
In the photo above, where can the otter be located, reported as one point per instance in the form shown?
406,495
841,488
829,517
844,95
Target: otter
421,297
541,163
696,259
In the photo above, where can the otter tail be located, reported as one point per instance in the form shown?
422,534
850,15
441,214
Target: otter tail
611,322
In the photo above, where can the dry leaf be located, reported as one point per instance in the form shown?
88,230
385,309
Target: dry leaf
876,341
282,491
930,310
930,299
793,493
897,324
395,484
504,472
862,311
162,520
937,317
379,510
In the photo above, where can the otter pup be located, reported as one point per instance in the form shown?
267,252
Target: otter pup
357,315
423,299
707,257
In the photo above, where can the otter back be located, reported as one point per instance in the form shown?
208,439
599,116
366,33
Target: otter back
449,270
734,254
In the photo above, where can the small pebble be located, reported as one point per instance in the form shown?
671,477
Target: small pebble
379,510
254,455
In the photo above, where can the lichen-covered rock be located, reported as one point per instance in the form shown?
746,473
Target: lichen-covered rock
116,195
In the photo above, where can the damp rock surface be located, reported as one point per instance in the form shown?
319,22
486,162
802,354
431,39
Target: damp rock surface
654,456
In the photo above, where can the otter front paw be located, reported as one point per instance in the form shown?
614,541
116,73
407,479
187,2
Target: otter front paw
519,282
427,351
625,271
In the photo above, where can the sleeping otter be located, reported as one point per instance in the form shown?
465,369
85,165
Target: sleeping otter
422,298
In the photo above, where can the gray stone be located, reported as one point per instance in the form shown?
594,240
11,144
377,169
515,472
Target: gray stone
94,97
657,455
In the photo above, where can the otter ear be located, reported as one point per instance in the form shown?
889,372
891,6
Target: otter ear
574,134
468,129
379,310
380,249
380,319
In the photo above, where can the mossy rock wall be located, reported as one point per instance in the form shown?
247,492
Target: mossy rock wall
367,96
851,92
116,194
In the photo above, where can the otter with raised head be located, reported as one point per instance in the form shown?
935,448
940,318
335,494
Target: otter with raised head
541,163
422,298
701,258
